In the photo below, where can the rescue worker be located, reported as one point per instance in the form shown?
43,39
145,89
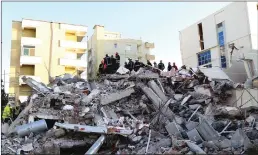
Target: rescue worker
155,65
7,113
137,65
107,61
113,64
126,65
130,65
169,67
101,67
174,65
161,66
117,60
149,63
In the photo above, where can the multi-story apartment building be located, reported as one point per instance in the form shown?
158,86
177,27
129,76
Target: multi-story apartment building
104,42
209,41
42,49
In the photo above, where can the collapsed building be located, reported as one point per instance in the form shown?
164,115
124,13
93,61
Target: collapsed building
148,111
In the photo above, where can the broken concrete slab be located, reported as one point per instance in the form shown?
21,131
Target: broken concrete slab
195,148
152,84
87,99
172,129
116,96
191,125
207,131
38,86
203,90
194,136
186,99
240,139
178,97
27,147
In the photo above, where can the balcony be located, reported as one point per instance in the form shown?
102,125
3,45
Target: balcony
30,23
36,78
149,45
79,30
150,57
73,45
29,60
72,63
30,41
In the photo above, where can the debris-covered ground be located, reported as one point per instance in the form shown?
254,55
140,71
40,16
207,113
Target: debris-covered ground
135,113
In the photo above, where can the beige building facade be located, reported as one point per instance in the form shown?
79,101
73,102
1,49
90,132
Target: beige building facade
42,49
104,42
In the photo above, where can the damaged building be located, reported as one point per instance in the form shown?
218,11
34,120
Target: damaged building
138,113
104,42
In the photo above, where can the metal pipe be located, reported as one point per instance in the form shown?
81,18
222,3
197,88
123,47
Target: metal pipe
194,113
95,147
225,128
34,127
146,151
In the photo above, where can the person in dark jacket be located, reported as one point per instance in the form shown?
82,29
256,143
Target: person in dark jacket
130,65
169,67
149,63
137,65
113,64
155,65
117,56
174,65
161,66
126,65
101,67
108,62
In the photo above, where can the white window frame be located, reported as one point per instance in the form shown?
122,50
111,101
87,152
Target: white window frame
29,48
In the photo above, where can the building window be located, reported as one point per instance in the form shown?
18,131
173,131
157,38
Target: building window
29,50
115,45
221,40
201,36
204,58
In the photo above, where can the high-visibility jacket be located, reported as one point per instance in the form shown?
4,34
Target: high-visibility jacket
7,112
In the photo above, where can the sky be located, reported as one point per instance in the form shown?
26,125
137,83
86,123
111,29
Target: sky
158,22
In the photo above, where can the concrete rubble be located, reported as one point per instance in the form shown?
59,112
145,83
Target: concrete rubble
132,113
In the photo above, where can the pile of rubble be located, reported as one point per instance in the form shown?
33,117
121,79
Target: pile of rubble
135,113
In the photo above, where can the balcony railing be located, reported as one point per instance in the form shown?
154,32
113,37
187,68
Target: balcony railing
30,23
74,28
150,57
72,62
73,44
149,45
30,41
29,60
36,78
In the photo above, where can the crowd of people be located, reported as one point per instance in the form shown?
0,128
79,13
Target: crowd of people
161,65
109,65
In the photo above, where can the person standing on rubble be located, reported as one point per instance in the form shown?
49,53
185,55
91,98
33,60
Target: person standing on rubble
107,61
137,65
101,67
155,65
149,63
117,60
175,66
7,113
130,65
169,67
126,65
113,64
161,66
